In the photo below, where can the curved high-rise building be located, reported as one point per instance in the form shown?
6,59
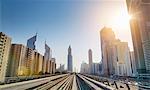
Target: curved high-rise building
31,42
69,65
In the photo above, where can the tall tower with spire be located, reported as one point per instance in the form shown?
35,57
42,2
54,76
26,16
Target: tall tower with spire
90,56
90,60
69,66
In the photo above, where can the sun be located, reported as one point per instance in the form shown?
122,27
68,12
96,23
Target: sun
129,17
121,21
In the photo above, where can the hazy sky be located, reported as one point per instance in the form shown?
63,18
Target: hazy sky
64,22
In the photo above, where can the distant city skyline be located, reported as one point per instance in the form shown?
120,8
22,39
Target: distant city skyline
62,23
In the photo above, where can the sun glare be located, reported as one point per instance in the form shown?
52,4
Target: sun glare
129,17
121,21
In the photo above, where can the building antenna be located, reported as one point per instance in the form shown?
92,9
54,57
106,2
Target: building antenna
45,41
36,32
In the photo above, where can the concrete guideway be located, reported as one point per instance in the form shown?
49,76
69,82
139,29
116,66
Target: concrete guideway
28,84
49,84
64,84
90,83
95,84
82,85
117,84
68,84
60,82
74,86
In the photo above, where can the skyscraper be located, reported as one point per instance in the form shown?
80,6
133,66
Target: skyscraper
95,68
43,65
61,68
122,61
31,42
48,52
115,54
53,64
133,64
47,57
16,63
90,60
5,44
69,67
107,38
140,25
84,68
90,56
30,55
37,63
29,61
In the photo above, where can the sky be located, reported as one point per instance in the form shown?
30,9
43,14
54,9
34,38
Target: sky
65,22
